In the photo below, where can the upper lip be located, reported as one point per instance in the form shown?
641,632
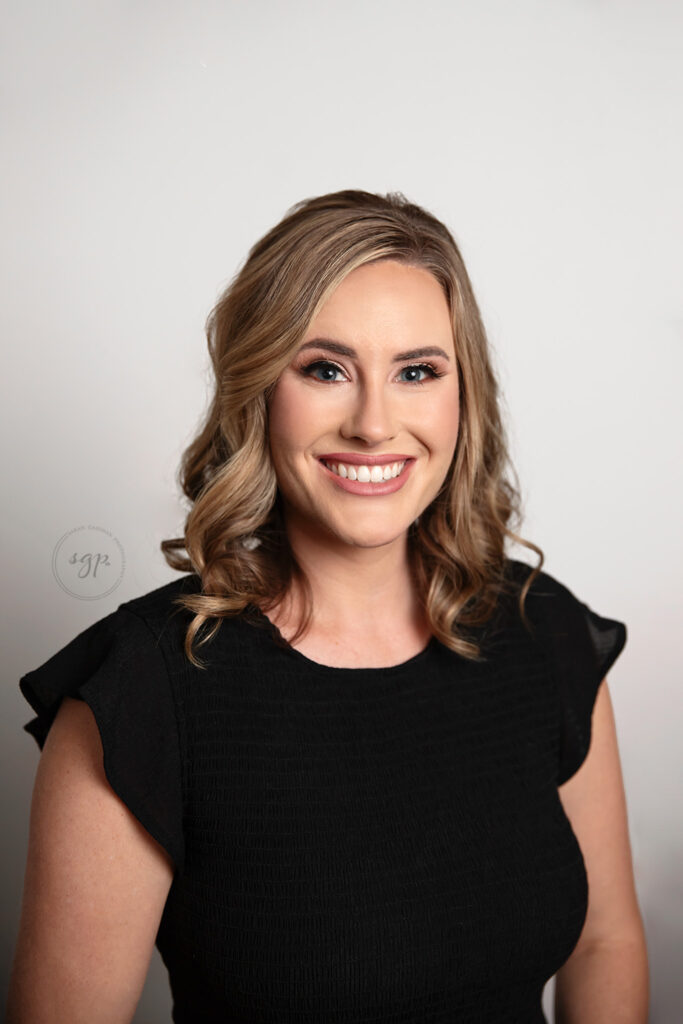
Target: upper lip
354,459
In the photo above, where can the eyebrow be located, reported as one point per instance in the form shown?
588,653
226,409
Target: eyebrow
345,350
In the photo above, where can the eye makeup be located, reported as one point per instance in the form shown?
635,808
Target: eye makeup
309,369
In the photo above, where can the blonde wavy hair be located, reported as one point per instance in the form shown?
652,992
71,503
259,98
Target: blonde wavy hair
235,539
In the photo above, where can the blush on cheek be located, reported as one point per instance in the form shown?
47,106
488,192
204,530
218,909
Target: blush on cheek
292,423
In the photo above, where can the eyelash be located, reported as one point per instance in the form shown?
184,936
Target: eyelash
431,370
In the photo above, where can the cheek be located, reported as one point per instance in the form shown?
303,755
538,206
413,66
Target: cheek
440,424
291,421
282,416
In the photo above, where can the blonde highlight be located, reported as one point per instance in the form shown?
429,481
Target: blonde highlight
234,535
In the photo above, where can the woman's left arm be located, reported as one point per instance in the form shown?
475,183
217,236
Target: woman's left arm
605,980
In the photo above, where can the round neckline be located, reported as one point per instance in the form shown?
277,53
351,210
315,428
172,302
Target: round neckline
320,666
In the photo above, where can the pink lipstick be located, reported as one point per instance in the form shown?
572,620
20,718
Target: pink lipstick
341,475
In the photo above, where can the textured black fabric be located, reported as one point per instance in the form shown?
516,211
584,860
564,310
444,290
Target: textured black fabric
352,845
584,646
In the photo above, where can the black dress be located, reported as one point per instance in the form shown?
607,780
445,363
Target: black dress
351,845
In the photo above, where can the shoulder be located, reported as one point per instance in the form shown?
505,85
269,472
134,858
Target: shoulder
535,603
552,607
124,667
163,605
580,646
129,636
543,585
157,622
568,626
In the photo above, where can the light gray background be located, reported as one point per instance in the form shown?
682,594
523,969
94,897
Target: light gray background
147,145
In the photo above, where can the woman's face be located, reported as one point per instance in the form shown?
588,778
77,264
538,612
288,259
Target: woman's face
373,384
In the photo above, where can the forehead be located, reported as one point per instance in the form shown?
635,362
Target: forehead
386,302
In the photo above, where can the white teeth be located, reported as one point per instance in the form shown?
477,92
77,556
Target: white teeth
366,474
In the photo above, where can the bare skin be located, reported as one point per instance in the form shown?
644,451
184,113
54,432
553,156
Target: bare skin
389,633
95,887
354,547
606,977
96,882
367,616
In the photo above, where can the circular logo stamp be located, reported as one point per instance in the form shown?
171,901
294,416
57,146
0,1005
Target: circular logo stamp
88,562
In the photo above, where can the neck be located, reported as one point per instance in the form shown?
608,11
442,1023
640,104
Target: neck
355,590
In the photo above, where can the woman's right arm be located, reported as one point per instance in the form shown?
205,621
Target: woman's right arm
94,892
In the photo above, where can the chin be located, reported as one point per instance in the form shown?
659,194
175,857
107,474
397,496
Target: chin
371,538
362,530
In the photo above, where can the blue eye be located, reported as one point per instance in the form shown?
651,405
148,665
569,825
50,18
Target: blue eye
321,370
424,368
326,372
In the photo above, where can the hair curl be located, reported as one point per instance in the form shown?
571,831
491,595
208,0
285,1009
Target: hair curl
234,538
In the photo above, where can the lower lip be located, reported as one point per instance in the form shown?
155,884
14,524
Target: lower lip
370,490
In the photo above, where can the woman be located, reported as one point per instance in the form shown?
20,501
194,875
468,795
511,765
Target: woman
390,790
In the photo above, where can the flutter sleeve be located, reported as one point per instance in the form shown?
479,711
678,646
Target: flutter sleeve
117,667
582,647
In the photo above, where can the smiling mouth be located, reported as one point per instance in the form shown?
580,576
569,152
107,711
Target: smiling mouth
366,474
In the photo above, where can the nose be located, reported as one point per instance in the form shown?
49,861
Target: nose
371,416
